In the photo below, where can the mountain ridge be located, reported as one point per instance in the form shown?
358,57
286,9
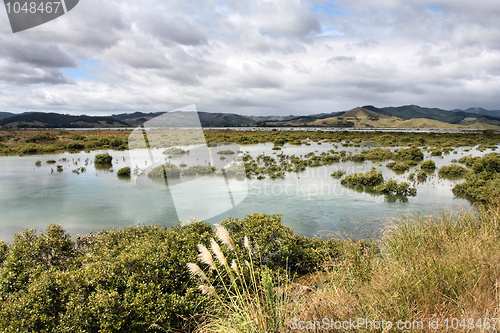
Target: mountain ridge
366,116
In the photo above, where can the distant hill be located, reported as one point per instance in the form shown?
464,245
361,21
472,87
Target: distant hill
55,120
407,116
4,115
491,113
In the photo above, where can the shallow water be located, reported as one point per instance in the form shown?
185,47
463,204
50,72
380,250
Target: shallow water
312,202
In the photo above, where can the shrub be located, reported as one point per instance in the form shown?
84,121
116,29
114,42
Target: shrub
198,170
104,158
174,151
410,154
124,172
51,162
338,174
392,187
452,171
167,169
371,178
225,152
428,165
398,167
75,146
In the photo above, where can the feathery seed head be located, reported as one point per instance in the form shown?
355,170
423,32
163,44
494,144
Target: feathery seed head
196,270
246,242
205,256
206,290
218,252
234,267
224,237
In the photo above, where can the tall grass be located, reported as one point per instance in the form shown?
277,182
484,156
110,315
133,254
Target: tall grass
426,268
247,299
429,268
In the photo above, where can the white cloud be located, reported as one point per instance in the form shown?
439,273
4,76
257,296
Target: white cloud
258,57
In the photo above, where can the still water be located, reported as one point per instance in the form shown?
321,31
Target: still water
312,202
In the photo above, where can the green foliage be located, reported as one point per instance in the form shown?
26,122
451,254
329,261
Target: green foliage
131,280
75,146
40,138
436,152
51,162
174,151
483,182
371,178
198,170
225,152
104,158
452,171
165,170
338,174
277,247
422,176
408,154
393,187
124,172
398,167
428,165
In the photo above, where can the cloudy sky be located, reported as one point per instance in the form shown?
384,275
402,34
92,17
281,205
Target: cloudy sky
254,57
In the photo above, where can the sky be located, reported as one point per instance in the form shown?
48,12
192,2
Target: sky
263,57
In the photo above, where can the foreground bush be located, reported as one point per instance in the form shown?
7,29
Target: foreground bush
135,279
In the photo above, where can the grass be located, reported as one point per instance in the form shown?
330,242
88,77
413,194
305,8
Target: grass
425,268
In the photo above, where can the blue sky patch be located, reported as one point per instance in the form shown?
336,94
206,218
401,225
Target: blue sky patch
84,71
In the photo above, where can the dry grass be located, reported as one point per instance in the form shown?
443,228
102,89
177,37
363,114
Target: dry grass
429,268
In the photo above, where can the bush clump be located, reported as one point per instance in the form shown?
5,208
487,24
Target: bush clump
124,172
198,170
165,170
104,158
452,171
371,178
483,182
398,167
409,154
175,151
225,152
338,174
428,165
392,187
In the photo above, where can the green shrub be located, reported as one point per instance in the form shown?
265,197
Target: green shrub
452,171
436,152
124,172
104,158
421,176
165,170
198,170
338,174
371,178
408,154
398,167
51,162
392,187
483,182
428,165
174,151
225,152
75,146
